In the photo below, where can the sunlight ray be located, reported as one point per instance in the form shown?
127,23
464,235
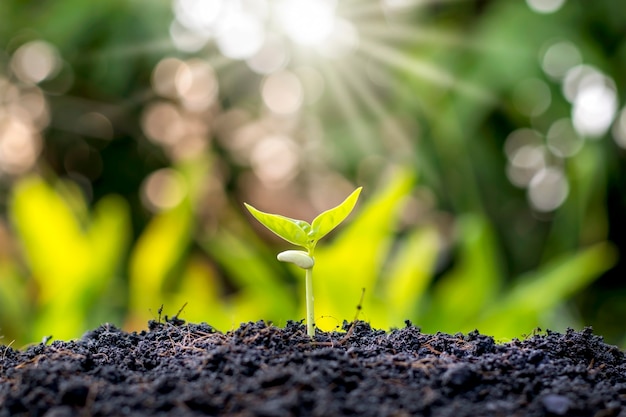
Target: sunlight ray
362,89
366,9
424,70
426,3
384,31
388,8
383,7
347,105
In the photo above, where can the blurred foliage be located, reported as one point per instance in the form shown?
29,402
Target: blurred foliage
74,268
130,135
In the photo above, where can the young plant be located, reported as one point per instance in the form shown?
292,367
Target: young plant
305,235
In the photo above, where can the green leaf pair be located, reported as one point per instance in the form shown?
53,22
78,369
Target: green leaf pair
301,233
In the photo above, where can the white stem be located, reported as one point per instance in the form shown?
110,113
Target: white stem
310,315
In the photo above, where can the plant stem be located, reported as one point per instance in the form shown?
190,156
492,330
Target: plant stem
310,316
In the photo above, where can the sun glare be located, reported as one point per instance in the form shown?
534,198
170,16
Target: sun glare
299,61
307,22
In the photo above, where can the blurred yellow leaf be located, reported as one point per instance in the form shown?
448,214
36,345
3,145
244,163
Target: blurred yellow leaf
353,261
406,281
157,251
71,258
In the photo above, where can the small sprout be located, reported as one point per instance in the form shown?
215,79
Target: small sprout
297,257
305,235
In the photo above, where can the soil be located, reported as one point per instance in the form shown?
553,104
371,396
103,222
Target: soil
259,369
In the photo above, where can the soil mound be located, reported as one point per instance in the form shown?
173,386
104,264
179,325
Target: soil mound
261,370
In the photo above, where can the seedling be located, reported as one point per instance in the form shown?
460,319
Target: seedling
305,235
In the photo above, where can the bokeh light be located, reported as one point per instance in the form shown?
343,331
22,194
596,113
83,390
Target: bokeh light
282,93
185,39
307,22
533,160
182,124
545,6
199,16
559,57
35,61
530,166
271,57
619,129
163,189
525,163
256,30
594,106
24,109
164,77
196,85
548,189
20,145
239,35
275,160
163,123
563,140
520,138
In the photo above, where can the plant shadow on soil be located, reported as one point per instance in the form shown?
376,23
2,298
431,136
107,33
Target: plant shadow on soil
263,370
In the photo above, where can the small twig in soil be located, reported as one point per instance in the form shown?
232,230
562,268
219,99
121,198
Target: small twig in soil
6,349
359,307
180,311
160,311
175,320
429,347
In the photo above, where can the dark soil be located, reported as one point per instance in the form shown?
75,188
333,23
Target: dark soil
261,370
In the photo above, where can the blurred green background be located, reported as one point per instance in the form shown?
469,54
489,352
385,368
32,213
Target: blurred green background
489,136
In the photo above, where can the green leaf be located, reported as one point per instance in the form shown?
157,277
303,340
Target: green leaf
292,230
328,220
